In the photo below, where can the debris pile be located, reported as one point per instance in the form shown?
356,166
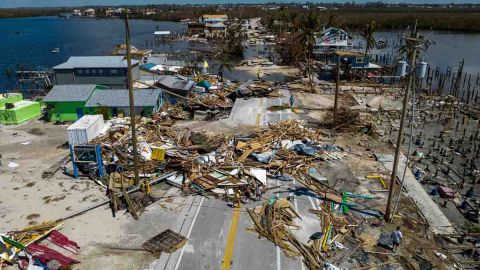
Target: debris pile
24,247
215,164
258,89
275,220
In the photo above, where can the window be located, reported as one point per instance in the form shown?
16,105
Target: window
359,60
87,71
80,72
113,72
94,71
100,71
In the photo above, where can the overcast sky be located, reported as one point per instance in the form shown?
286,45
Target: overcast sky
60,3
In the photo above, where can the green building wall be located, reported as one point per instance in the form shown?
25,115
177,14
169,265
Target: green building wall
24,110
10,98
65,111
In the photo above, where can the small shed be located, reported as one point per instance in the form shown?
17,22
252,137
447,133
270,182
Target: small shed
67,102
85,129
159,35
176,84
113,103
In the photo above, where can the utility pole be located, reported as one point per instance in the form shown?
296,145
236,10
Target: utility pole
411,41
131,100
337,86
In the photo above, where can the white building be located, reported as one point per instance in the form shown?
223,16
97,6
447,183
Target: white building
90,12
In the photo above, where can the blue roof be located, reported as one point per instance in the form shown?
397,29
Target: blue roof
148,66
95,62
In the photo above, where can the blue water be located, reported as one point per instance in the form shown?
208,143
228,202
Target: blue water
28,42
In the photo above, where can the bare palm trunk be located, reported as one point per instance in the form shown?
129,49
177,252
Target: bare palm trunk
364,70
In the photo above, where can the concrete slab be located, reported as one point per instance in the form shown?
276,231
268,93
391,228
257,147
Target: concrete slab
438,222
254,111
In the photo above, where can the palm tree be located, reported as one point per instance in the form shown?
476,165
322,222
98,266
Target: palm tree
282,17
370,43
309,26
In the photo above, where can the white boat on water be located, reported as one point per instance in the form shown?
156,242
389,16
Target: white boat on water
56,50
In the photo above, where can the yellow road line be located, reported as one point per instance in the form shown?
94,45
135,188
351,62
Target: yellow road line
227,257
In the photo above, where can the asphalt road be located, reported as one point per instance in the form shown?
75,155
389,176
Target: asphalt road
207,223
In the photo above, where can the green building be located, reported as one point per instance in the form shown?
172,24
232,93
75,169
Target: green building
10,98
67,102
15,110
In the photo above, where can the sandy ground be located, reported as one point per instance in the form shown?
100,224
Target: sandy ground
28,199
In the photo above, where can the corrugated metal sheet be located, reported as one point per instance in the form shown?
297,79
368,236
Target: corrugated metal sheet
85,129
95,62
120,98
70,92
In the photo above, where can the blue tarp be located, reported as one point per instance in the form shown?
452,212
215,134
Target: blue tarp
148,66
305,150
265,157
205,84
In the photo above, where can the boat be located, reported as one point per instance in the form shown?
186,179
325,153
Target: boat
56,50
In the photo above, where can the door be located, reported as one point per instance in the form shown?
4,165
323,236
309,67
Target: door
79,112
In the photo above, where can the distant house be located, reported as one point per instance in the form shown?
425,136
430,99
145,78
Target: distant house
215,30
109,12
251,26
77,13
329,40
113,103
119,11
209,25
176,84
355,60
195,28
67,102
110,71
213,18
90,12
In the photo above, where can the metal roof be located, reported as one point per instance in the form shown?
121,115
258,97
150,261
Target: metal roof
161,33
119,98
70,92
215,16
95,62
175,83
217,25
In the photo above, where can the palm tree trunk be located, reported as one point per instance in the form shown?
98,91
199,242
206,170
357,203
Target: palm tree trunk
310,67
364,71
